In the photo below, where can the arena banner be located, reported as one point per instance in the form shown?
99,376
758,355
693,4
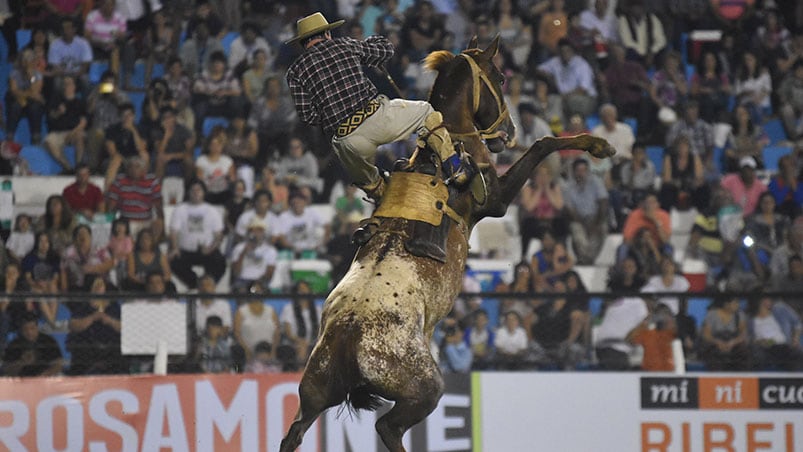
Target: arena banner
578,412
200,413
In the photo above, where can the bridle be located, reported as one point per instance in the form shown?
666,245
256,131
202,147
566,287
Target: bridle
479,76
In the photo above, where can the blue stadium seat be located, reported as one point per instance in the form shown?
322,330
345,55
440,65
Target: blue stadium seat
138,76
772,154
690,69
595,307
633,123
211,121
697,309
592,121
40,161
61,339
228,39
23,132
23,38
158,71
137,98
656,155
719,158
775,131
96,70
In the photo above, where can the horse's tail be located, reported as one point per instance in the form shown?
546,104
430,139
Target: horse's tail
359,392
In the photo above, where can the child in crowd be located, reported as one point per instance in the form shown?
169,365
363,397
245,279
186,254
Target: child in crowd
20,242
263,361
214,351
121,244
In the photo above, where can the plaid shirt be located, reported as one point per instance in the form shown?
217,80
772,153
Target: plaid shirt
327,82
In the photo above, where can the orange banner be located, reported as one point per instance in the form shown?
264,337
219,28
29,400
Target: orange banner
147,413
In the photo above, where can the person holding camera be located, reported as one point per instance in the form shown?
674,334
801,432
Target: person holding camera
253,260
104,103
455,355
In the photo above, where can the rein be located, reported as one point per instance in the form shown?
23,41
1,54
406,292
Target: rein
478,78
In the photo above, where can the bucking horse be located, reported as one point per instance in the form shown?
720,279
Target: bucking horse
378,321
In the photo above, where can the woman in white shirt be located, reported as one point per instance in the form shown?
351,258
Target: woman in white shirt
511,343
775,335
753,86
216,169
255,322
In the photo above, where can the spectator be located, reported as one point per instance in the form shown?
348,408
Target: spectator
255,322
137,197
146,259
753,87
794,280
196,53
510,343
455,354
40,45
255,76
626,275
646,252
105,29
557,329
601,22
160,41
123,141
533,127
686,330
636,179
792,245
774,328
346,205
263,361
214,351
216,92
196,231
70,55
278,190
180,86
655,335
552,261
548,104
619,320
157,97
526,285
744,187
515,33
574,79
479,336
205,14
301,321
80,262
104,102
41,264
299,169
724,344
422,30
94,338
174,144
744,140
243,48
616,133
710,87
21,240
261,211
274,116
121,245
641,32
207,307
235,206
629,88
67,122
253,260
651,217
300,229
32,353
699,132
786,188
790,94
242,145
82,196
58,221
767,229
668,281
541,208
215,169
553,27
706,241
587,208
669,86
682,184
24,97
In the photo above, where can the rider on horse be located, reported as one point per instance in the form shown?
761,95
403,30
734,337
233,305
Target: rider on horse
329,88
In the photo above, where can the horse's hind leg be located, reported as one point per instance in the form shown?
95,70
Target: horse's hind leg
315,394
417,398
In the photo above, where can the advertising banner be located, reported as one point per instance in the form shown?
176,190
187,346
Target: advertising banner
583,412
228,412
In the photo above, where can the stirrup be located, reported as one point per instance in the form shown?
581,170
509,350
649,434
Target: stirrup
463,173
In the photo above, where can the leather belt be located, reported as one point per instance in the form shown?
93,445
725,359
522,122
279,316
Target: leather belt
357,118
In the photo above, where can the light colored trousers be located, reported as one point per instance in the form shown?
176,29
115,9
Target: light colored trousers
396,119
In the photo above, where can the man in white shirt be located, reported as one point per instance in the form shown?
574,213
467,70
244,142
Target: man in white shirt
299,228
71,55
253,260
261,210
621,317
601,21
574,78
617,133
196,230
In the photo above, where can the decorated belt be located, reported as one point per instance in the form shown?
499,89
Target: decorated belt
356,119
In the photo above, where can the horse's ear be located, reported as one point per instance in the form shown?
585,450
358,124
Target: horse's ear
472,44
492,48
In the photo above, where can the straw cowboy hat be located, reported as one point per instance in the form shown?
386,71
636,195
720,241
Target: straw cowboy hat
312,25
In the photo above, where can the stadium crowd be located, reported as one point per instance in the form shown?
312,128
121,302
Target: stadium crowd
140,91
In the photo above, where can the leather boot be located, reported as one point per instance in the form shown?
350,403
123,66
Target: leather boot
374,190
437,137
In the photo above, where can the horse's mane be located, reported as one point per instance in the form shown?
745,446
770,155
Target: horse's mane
436,60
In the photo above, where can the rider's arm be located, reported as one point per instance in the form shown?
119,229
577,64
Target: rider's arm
374,50
306,111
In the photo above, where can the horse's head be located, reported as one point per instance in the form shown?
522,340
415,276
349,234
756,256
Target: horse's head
468,91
